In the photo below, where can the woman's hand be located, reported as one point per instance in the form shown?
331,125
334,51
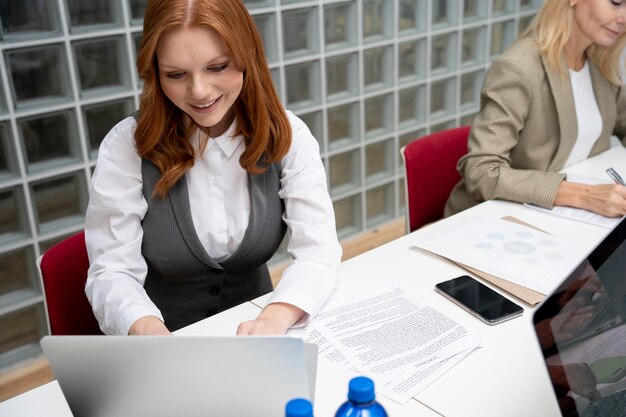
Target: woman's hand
275,319
149,325
605,199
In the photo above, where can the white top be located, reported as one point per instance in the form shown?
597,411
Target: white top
218,185
587,115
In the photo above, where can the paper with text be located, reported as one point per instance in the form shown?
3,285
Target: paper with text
579,215
508,250
402,344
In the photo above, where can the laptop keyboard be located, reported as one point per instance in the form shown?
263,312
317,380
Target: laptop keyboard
613,405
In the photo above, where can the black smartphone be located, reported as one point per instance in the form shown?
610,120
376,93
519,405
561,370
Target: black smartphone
478,299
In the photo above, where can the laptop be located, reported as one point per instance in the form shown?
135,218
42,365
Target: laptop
581,329
154,376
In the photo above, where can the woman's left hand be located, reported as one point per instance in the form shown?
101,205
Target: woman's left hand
275,319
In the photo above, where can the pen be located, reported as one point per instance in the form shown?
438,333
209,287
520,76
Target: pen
615,176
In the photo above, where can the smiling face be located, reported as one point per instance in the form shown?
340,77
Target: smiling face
197,74
599,22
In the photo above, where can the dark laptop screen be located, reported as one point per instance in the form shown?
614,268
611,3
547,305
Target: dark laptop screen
581,328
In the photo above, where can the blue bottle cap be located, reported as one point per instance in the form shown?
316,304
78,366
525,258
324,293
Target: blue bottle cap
299,407
361,390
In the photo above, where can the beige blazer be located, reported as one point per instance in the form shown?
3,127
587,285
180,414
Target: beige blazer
526,129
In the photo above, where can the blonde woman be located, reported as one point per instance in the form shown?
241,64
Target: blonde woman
553,99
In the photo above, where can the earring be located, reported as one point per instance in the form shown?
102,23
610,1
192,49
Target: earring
572,3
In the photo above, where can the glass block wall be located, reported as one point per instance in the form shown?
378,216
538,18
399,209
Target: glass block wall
367,76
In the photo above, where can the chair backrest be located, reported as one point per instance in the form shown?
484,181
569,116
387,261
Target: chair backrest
430,168
63,270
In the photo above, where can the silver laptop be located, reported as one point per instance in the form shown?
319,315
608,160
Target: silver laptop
154,376
581,329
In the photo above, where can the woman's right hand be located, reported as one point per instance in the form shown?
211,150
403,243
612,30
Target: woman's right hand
605,199
149,326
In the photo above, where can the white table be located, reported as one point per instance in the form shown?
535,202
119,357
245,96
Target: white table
505,377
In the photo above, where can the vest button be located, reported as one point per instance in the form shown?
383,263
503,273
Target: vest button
214,290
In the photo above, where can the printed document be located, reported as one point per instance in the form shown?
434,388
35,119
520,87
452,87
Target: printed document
402,344
508,250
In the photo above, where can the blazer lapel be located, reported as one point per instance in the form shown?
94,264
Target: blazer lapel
605,97
566,111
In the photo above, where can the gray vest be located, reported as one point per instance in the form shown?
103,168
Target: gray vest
184,282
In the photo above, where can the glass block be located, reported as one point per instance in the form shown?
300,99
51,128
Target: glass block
473,48
102,65
17,277
340,25
442,98
300,32
444,54
379,161
443,126
136,38
137,9
378,68
21,332
345,172
412,109
303,84
377,20
342,78
8,166
13,221
502,7
524,23
467,120
379,203
475,10
379,115
445,13
45,245
83,14
315,122
59,201
275,74
411,60
348,216
530,4
20,20
49,140
343,125
253,4
38,75
471,84
502,35
99,118
413,16
266,24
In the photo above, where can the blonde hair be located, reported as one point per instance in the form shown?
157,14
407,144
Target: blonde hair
161,135
551,30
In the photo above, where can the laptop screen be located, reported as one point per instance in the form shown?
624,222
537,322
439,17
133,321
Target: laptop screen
581,330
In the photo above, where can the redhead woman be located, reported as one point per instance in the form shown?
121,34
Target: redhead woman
553,99
193,195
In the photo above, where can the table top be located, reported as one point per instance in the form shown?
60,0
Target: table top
505,376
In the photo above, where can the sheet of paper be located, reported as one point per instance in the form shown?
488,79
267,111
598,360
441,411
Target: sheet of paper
508,250
579,215
402,344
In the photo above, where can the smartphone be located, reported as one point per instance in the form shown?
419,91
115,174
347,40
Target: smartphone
478,299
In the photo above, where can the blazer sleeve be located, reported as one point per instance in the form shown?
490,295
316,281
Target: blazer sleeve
487,169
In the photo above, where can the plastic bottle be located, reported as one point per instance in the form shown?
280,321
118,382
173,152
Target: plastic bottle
361,400
299,407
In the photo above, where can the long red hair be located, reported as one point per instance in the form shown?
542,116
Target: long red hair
162,136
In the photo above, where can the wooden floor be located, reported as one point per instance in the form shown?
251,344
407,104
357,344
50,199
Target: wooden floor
36,372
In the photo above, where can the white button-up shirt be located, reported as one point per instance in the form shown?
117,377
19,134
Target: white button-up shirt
217,185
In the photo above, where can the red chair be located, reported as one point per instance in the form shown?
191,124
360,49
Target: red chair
63,271
430,169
